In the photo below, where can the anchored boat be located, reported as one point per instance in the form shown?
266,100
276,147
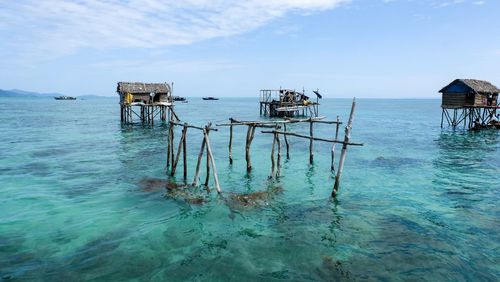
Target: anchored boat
64,98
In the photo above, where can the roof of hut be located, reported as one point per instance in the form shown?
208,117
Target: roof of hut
470,86
142,88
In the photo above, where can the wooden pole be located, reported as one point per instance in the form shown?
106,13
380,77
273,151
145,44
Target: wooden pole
286,143
207,178
174,167
309,137
344,149
333,146
250,135
216,178
184,157
278,143
272,157
231,141
198,163
311,133
169,136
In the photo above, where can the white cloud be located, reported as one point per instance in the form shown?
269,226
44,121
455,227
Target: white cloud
59,27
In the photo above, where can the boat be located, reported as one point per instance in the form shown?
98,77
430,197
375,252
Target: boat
210,98
64,98
179,98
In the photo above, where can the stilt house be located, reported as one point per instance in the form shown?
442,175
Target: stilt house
145,101
469,93
471,102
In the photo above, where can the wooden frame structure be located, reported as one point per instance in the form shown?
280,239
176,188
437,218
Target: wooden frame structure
287,103
277,125
144,101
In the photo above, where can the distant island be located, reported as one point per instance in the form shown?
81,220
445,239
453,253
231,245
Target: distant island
29,94
23,93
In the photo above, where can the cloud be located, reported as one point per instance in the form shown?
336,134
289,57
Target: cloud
53,28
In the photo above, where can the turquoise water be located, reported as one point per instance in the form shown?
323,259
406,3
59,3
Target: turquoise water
78,201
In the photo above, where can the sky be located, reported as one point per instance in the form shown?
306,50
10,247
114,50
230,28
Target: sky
344,48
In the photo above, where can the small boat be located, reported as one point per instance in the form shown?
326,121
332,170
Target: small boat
210,98
179,98
64,98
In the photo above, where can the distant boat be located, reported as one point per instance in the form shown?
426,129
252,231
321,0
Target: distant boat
210,98
178,98
64,98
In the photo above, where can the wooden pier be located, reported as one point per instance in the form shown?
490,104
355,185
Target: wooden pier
145,102
288,103
470,103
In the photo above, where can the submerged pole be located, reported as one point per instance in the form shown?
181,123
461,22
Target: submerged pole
344,149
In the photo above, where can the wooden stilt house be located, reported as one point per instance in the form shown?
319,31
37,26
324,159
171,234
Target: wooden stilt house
144,101
469,101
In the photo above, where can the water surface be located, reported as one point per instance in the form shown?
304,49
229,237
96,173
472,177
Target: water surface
78,201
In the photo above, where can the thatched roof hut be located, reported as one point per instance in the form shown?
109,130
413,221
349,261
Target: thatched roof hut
143,88
469,92
131,92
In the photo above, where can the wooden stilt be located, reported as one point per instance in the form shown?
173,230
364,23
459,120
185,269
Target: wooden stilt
231,140
286,143
207,177
311,154
214,168
272,157
184,157
181,141
169,137
278,143
198,163
333,146
344,149
250,135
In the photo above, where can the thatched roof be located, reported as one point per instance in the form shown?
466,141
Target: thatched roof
142,88
470,86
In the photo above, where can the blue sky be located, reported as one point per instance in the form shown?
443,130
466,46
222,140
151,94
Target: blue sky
362,48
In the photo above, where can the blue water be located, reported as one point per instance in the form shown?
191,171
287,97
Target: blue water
79,200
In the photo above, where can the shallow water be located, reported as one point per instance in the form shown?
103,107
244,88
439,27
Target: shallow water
79,198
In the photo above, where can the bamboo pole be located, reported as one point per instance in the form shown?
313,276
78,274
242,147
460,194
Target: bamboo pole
231,140
333,146
214,168
181,141
286,143
311,133
344,149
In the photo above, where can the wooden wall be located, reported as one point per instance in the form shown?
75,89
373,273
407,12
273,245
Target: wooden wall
454,99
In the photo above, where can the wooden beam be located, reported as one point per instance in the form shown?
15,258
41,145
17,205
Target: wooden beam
315,138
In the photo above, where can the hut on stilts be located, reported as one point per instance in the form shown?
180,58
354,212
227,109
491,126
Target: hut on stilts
288,103
470,102
144,101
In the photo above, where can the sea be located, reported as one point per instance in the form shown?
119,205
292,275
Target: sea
83,197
